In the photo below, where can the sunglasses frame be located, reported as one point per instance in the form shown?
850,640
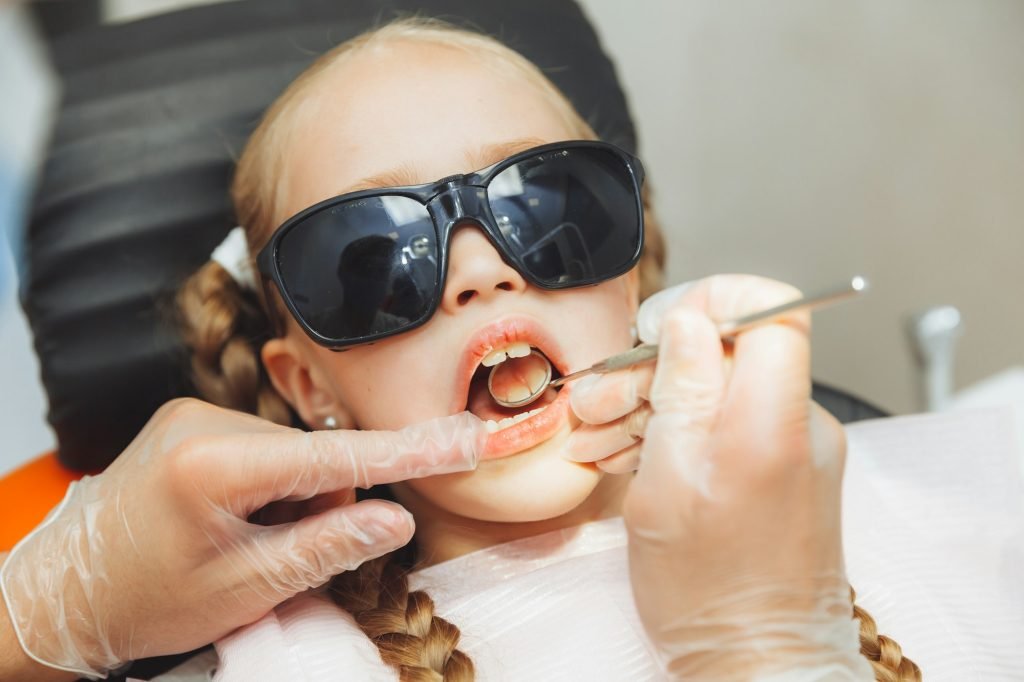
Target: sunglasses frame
454,200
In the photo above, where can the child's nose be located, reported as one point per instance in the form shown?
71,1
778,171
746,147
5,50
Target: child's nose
476,270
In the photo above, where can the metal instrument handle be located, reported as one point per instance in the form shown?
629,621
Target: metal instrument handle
728,330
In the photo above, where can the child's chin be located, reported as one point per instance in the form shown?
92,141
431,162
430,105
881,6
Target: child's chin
530,494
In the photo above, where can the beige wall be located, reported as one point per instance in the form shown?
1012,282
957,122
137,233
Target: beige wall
809,140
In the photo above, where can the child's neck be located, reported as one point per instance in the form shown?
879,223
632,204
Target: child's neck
441,535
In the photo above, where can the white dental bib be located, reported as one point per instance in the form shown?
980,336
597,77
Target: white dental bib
934,534
553,607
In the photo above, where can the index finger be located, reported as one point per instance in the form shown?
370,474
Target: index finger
254,470
723,298
602,398
771,362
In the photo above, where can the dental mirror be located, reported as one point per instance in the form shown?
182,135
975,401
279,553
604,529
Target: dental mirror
534,379
531,376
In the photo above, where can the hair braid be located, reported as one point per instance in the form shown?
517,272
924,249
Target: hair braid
884,654
223,326
419,645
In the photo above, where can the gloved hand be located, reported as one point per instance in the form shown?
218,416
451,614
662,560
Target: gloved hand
156,555
614,407
734,513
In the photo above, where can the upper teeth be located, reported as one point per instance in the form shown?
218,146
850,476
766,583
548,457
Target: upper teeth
520,349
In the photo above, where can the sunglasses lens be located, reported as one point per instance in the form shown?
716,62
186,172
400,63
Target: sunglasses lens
361,268
572,216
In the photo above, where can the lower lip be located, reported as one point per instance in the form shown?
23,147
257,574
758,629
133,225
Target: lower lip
529,432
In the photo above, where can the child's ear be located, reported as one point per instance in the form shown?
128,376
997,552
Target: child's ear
302,385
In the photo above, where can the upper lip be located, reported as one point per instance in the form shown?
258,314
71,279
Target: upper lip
499,334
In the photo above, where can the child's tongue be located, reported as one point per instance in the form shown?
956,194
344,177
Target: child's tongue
514,379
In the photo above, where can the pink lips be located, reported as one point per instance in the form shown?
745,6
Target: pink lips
533,430
529,432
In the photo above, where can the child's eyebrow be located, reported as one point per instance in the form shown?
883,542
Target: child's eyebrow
484,156
493,153
396,177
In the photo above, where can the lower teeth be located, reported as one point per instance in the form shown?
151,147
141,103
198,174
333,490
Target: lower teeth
495,426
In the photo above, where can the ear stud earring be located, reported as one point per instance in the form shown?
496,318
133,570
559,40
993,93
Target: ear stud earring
330,422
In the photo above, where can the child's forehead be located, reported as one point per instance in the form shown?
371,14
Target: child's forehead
382,118
419,82
476,158
408,67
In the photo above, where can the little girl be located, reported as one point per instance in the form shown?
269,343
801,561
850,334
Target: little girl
422,204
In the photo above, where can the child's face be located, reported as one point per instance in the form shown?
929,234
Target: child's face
413,113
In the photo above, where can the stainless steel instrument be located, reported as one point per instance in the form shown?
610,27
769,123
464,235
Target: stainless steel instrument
728,331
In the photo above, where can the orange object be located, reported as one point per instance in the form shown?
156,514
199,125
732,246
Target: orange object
28,493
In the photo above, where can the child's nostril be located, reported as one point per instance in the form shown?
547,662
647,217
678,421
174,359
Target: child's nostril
505,286
466,296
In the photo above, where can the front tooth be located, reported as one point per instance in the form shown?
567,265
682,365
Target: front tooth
519,349
491,425
493,358
526,415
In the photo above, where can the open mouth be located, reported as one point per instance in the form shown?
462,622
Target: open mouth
524,352
523,371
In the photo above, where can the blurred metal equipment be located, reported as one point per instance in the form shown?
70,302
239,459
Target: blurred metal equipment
933,335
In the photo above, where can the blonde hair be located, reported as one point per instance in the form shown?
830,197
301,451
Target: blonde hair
224,327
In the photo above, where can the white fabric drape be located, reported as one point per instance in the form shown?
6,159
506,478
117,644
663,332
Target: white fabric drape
934,537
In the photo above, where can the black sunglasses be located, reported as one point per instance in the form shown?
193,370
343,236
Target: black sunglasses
367,265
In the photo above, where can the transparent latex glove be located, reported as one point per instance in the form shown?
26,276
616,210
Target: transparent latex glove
615,407
156,556
734,513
